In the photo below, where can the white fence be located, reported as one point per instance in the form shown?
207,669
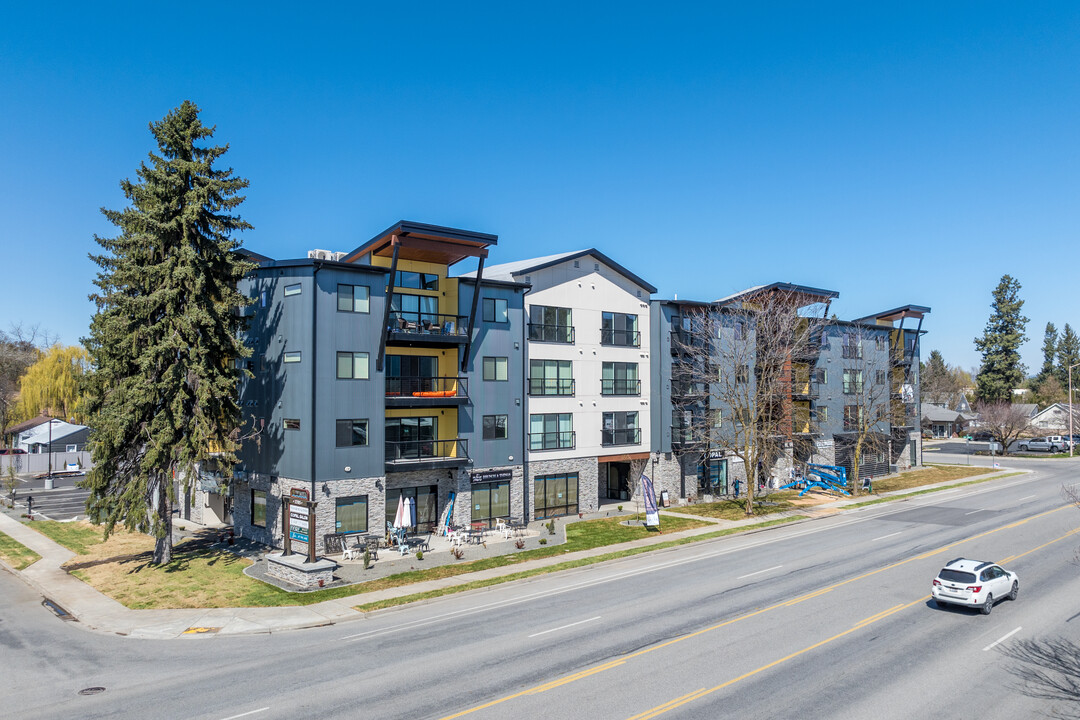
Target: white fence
39,462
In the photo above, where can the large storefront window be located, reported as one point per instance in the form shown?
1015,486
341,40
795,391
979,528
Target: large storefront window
713,477
490,501
351,515
555,495
426,499
258,508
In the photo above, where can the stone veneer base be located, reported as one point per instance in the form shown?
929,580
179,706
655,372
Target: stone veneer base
294,570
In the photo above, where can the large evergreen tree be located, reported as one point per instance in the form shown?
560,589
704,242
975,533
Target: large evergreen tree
162,394
1001,369
1068,354
937,383
1049,351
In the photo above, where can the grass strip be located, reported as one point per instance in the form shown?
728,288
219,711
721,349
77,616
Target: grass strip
570,564
77,537
928,490
15,554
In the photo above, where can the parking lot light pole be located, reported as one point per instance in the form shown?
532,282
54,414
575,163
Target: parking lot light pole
1071,435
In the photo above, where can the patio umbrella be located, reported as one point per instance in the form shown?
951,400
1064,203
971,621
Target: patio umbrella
400,516
410,511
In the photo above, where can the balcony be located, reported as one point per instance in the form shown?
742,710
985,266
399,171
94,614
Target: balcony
417,391
809,349
851,352
621,436
681,435
805,390
688,389
620,338
406,455
539,387
427,329
616,386
564,440
551,333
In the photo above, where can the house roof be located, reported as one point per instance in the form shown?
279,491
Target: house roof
936,413
508,271
1062,408
60,430
808,295
1030,408
27,425
427,243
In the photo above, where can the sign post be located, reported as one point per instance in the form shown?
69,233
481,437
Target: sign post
299,521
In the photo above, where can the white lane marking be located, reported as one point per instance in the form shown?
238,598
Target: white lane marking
759,572
249,712
886,536
579,622
747,544
974,511
1001,640
1025,498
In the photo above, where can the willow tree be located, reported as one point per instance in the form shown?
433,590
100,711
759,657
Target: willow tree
162,394
53,385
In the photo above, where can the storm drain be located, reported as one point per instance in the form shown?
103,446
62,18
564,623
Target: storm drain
91,691
57,610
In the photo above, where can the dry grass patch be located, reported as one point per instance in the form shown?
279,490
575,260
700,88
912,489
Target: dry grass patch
764,505
928,476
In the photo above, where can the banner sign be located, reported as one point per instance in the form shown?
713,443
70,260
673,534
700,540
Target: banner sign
491,475
652,514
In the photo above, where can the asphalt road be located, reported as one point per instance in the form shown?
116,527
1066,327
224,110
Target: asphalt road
64,501
826,619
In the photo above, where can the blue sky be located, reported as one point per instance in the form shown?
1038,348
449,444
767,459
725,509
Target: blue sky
907,153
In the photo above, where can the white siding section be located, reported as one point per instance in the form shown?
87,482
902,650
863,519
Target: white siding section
589,293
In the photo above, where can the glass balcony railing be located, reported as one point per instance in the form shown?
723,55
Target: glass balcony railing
621,338
551,386
551,333
563,440
419,450
621,436
620,386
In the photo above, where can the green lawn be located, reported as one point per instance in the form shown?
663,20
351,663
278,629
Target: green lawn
76,537
15,553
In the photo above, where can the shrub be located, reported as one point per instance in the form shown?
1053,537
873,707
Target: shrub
620,508
419,554
519,543
457,552
367,558
543,541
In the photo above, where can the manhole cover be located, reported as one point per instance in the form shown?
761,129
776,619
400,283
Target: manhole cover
91,691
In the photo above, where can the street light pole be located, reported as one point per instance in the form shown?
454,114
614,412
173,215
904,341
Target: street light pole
1071,443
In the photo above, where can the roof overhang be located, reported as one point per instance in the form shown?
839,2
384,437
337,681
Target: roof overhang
802,295
426,243
900,313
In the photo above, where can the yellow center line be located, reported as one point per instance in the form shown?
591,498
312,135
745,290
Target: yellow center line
670,704
786,603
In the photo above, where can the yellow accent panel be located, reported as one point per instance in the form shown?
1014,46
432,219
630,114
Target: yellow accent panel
448,421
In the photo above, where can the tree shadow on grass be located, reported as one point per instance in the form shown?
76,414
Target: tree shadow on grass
205,545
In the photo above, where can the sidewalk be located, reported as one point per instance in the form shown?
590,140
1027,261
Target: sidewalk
98,612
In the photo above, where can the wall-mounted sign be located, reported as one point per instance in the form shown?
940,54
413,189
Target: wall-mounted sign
716,454
491,475
301,493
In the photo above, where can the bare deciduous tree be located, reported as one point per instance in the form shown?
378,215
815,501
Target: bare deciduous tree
20,347
1004,421
732,382
866,375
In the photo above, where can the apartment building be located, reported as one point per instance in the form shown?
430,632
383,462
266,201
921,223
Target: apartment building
379,379
587,378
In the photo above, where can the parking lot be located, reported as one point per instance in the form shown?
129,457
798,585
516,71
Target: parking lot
64,501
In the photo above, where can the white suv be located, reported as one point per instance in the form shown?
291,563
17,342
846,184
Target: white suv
974,583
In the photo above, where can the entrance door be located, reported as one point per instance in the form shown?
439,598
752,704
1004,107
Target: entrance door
618,481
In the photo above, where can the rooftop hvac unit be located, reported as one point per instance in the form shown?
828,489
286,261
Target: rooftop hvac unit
321,255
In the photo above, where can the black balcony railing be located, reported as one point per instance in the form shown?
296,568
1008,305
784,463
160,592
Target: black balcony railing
681,435
427,387
563,440
551,386
851,352
688,389
620,386
803,389
408,450
621,436
551,333
424,323
622,338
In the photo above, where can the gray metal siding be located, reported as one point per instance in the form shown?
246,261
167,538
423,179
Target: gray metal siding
494,397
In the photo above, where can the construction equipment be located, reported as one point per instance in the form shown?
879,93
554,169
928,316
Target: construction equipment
827,478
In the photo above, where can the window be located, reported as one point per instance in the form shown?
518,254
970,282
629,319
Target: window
740,329
821,376
742,374
551,377
495,310
851,347
258,508
490,500
410,311
72,448
262,298
353,298
822,415
416,280
551,431
621,428
426,501
351,433
413,438
880,342
495,427
352,366
619,378
619,329
551,324
853,382
291,290
495,368
291,356
291,423
718,418
713,476
879,378
351,514
555,495
852,417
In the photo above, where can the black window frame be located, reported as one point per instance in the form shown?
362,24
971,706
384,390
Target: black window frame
347,426
352,298
339,502
265,505
495,364
491,310
494,427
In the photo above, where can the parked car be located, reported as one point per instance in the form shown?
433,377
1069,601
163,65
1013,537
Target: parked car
982,436
1053,443
975,584
12,451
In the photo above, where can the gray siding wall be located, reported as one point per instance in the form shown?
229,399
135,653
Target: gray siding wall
495,397
660,369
